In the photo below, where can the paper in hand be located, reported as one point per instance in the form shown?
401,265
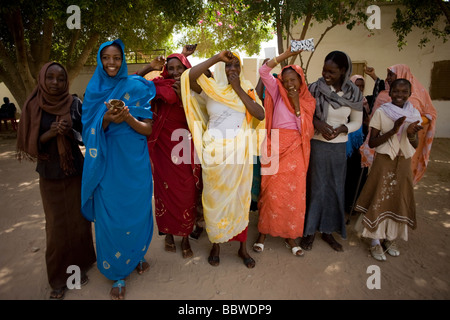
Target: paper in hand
305,45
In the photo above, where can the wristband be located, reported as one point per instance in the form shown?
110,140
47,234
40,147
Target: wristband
275,60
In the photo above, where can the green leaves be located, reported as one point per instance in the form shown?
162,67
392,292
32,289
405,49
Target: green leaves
430,16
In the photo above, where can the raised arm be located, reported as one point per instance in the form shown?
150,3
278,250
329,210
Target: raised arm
287,54
199,69
251,105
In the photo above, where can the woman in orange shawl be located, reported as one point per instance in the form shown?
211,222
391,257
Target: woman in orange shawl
421,100
285,154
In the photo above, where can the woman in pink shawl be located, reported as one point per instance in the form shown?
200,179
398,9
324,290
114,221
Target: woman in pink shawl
289,114
421,100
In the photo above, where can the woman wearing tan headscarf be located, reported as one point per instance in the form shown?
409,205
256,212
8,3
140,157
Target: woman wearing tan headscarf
48,133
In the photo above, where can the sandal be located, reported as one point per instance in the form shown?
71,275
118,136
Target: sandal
258,247
377,252
186,250
84,280
307,242
58,294
142,266
119,284
187,253
296,251
328,238
391,248
249,262
214,260
170,247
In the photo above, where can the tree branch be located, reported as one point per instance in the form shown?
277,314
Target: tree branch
317,44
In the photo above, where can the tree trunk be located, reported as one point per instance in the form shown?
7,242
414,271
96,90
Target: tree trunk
15,25
75,68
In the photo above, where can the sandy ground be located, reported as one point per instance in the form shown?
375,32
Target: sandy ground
420,272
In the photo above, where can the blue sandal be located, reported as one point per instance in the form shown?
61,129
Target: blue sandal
141,268
121,285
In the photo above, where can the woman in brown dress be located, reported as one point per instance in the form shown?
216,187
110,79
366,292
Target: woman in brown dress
49,132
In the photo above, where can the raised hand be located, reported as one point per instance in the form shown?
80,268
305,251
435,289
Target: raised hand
235,81
226,56
188,49
158,63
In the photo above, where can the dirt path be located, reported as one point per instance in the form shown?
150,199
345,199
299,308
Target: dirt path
420,272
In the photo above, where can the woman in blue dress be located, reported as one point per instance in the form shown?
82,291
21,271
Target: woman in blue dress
117,178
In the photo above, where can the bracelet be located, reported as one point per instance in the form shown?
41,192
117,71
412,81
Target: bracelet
297,113
275,60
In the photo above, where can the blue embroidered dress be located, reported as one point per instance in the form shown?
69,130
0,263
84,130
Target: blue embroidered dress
117,179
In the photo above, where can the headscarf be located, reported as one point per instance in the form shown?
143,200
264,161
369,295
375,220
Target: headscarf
421,100
30,121
220,90
356,138
352,96
165,92
365,102
307,107
134,90
179,56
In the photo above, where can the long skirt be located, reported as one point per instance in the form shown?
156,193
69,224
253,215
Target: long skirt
227,181
68,233
388,195
282,202
326,189
177,182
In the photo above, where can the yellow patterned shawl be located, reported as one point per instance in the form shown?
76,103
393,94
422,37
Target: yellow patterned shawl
227,179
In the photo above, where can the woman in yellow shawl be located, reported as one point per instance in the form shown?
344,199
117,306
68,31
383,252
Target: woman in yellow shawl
221,111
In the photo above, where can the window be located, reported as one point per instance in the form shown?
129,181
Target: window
358,67
440,84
